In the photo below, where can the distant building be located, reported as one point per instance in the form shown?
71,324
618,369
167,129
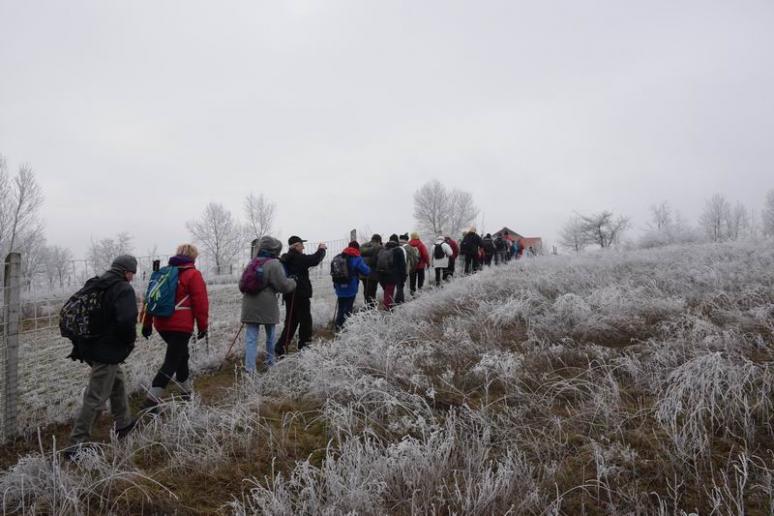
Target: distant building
535,243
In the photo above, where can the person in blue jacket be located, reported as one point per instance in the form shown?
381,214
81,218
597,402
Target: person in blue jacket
346,292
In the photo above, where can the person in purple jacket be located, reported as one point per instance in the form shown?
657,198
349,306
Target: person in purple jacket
346,292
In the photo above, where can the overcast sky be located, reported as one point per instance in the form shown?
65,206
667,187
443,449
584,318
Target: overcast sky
136,114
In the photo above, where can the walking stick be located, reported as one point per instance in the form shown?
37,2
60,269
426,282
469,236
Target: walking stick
230,347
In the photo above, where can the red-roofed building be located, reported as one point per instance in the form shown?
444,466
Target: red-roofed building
535,243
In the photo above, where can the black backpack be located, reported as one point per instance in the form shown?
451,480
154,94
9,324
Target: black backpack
340,269
385,261
83,315
368,252
438,252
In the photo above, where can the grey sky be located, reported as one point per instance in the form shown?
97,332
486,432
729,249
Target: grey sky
136,114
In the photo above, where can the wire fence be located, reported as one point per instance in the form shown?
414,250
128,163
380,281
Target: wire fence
38,385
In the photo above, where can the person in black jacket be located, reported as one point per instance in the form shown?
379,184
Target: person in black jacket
298,304
105,353
469,248
391,268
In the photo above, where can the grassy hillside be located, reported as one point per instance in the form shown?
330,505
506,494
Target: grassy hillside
610,383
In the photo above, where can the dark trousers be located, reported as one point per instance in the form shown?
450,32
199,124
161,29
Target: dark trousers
417,279
488,260
400,294
448,272
439,271
175,360
369,291
471,264
344,310
298,315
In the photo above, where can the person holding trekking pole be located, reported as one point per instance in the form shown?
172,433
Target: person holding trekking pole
298,304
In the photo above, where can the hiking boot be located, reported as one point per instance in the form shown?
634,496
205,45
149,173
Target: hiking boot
186,390
121,433
151,402
72,453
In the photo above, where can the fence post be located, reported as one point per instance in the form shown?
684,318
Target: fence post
353,235
11,291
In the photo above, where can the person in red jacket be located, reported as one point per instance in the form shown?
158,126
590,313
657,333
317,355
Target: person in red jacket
417,277
449,271
191,305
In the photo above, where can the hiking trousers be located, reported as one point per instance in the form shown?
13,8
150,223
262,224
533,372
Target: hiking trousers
369,291
389,291
344,310
106,381
298,316
439,271
417,279
175,360
471,264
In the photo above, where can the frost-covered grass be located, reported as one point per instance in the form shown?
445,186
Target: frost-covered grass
637,383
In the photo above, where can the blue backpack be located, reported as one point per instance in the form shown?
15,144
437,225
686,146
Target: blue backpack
160,295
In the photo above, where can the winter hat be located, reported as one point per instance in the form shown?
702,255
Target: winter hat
393,238
404,237
125,263
354,244
270,245
414,236
376,238
488,235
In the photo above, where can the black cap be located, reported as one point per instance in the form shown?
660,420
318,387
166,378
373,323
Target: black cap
295,239
393,237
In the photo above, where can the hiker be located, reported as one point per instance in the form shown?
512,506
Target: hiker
439,259
469,249
500,245
298,304
261,307
106,350
448,273
391,266
516,249
411,256
191,304
368,252
347,291
488,246
417,275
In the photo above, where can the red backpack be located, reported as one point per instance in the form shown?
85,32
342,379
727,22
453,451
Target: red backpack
252,280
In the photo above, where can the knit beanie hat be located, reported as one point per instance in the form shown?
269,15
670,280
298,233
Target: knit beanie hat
125,263
354,244
393,238
376,238
270,244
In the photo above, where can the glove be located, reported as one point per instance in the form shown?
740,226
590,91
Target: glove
201,334
146,331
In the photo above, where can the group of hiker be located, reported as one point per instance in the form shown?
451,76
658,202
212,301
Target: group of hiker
101,318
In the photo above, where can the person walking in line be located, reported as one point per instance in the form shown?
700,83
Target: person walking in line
298,304
261,308
417,276
411,255
191,305
439,259
500,245
391,267
105,350
448,273
469,248
368,252
488,247
347,291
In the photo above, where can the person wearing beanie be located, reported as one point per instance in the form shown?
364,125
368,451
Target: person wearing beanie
391,268
488,245
191,305
105,352
369,252
417,275
347,292
469,249
298,304
411,257
262,308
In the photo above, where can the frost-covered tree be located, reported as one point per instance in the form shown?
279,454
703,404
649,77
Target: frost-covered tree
440,211
661,214
767,215
58,261
20,202
260,215
102,252
572,235
738,224
219,234
714,220
603,229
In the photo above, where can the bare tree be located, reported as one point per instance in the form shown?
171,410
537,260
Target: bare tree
572,235
661,215
102,253
260,215
603,229
462,211
738,224
20,201
439,211
714,219
219,234
58,261
768,215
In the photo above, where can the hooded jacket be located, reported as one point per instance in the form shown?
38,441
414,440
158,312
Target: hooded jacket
356,266
398,272
119,304
424,256
191,301
263,306
368,252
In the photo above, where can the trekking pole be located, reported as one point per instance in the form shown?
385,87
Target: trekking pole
207,343
230,347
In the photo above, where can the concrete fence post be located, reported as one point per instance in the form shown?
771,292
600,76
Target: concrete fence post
11,315
353,235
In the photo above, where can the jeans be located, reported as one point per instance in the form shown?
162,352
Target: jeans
175,360
344,310
251,345
105,382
